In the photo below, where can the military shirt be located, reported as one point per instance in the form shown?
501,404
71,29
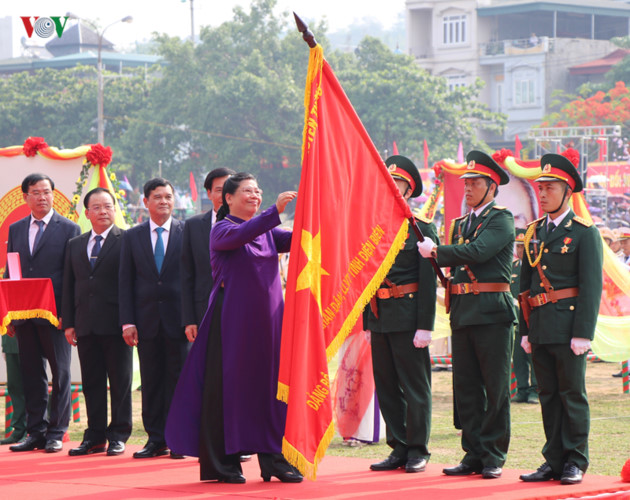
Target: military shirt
570,256
414,311
487,247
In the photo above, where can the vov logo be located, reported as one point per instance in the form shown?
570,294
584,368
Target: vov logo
44,27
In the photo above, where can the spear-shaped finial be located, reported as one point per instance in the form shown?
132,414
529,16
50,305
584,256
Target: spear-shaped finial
307,34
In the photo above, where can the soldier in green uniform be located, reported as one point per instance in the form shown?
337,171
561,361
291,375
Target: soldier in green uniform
562,272
479,252
522,361
400,320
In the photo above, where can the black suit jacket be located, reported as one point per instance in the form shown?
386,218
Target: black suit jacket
196,271
148,298
49,257
90,296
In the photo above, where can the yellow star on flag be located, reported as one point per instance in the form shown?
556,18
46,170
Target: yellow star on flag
311,275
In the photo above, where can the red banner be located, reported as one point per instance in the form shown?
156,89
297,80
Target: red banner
612,176
349,225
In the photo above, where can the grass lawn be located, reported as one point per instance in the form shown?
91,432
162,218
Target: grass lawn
609,438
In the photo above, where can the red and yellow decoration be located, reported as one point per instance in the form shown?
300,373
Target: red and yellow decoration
342,249
26,298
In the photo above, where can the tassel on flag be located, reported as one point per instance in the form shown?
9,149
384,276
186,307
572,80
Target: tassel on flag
193,187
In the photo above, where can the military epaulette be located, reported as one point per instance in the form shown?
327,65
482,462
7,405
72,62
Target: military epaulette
582,221
499,207
421,218
536,221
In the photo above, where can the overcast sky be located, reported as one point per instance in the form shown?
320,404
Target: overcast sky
173,16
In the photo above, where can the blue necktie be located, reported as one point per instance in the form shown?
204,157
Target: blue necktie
38,235
158,253
95,250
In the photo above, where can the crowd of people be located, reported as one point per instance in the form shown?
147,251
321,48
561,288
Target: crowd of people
177,291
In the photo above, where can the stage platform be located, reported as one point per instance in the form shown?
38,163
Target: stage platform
41,475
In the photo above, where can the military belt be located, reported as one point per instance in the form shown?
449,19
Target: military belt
466,288
553,296
396,291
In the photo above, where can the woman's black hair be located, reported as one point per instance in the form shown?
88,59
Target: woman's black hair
232,183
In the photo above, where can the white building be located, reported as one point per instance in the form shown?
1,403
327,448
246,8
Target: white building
522,49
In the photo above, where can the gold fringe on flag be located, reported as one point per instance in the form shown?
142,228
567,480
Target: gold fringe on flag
283,392
27,314
315,65
369,291
295,458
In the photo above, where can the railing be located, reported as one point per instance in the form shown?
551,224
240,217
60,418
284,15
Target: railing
532,45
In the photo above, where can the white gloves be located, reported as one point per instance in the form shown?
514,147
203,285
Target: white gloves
425,247
422,338
580,346
527,347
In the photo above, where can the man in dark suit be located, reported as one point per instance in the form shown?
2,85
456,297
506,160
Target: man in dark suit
196,272
150,308
90,313
480,253
400,319
562,273
41,240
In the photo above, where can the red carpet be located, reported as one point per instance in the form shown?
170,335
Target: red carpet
29,475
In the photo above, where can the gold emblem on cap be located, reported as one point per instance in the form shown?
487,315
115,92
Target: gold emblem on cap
471,164
547,168
392,167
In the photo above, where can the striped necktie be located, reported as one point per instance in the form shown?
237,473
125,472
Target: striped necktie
38,235
95,250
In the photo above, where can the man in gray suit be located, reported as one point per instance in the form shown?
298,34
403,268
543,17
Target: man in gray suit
41,239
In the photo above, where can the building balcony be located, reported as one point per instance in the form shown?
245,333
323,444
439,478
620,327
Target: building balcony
517,47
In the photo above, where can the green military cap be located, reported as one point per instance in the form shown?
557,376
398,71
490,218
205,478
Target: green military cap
482,165
401,167
519,236
561,168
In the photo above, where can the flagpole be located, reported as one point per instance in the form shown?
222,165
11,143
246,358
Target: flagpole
307,34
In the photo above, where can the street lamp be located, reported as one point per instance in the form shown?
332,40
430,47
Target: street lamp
99,71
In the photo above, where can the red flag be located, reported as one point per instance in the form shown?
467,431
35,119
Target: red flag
193,187
426,154
395,149
517,147
343,246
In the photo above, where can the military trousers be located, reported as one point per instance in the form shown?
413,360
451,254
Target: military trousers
565,411
402,376
481,379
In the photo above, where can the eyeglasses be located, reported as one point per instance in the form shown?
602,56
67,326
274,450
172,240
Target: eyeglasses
251,191
37,194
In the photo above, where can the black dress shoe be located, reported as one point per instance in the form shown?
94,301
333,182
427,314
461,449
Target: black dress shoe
176,456
571,474
390,463
29,444
233,479
415,464
151,450
87,448
491,472
544,473
115,448
13,439
286,476
53,446
462,470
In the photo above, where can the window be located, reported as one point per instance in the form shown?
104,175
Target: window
455,81
524,92
454,30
